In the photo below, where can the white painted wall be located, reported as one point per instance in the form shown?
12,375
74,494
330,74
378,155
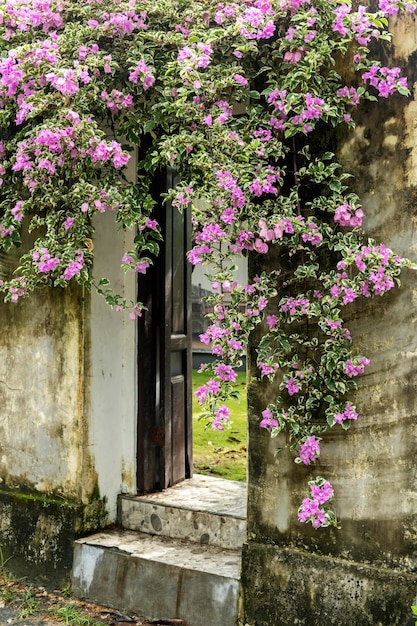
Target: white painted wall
113,354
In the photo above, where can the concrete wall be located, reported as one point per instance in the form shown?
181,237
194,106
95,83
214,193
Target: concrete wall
365,573
42,422
67,413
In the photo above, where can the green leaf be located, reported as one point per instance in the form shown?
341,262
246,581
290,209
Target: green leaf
148,126
340,387
330,384
403,90
335,185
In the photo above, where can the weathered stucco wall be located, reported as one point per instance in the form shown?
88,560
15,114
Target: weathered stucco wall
46,468
41,393
365,573
67,413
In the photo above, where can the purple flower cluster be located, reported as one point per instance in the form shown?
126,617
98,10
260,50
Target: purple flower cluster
376,261
346,19
348,413
25,14
118,24
136,265
104,151
228,183
349,94
47,263
213,333
212,387
74,267
313,235
345,215
289,113
292,385
17,288
386,80
195,56
309,450
44,261
225,372
264,184
353,368
50,150
268,420
253,18
313,110
116,100
311,509
277,230
377,266
267,370
210,233
221,417
391,7
295,306
142,73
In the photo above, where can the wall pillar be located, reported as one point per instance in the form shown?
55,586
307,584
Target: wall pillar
366,572
67,415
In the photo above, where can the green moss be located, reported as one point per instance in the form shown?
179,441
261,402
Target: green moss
38,532
27,496
94,516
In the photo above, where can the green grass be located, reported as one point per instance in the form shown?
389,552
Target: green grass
221,453
70,615
29,604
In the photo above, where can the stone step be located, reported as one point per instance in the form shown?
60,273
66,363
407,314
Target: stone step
203,509
159,578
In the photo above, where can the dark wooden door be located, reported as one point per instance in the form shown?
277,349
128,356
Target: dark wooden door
164,354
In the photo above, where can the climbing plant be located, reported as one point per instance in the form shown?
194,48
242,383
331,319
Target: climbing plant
242,99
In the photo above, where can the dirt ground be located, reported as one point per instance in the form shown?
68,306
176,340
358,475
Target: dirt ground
26,605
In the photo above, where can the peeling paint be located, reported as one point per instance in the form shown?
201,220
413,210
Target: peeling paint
85,568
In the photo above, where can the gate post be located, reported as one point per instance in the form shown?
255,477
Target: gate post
67,415
366,572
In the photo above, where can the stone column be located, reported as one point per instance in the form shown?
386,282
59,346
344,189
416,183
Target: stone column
365,573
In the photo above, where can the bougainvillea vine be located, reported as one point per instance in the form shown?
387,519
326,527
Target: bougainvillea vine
234,96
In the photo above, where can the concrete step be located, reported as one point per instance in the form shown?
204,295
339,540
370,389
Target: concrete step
157,577
203,509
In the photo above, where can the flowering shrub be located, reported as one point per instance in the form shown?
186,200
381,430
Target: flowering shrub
232,95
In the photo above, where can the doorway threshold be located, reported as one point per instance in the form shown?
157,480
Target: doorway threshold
202,509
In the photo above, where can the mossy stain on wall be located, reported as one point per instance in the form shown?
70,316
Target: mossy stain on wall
37,531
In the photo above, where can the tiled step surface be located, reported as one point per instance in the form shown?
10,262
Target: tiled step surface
204,510
176,555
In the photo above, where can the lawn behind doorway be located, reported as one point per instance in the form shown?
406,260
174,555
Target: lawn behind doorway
221,453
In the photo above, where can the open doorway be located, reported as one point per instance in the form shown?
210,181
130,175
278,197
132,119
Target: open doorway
169,356
216,453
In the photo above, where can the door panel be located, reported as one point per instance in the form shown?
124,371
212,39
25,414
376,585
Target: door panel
164,355
178,452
